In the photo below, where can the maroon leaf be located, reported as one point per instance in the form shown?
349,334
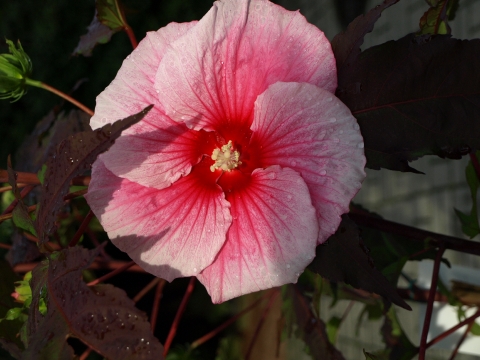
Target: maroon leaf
312,329
346,45
413,97
73,157
102,317
345,259
98,33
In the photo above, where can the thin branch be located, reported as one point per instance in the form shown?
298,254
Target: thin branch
131,36
453,329
9,188
436,240
81,229
431,299
97,265
227,323
32,178
85,354
47,87
112,273
25,191
260,323
75,194
5,246
146,289
462,339
10,215
156,304
178,316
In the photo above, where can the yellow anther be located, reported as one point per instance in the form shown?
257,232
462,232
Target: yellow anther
226,158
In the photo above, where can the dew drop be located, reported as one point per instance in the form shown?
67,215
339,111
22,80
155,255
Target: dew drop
356,127
104,120
293,163
329,99
288,266
361,145
323,172
336,140
340,132
194,270
272,176
289,197
333,119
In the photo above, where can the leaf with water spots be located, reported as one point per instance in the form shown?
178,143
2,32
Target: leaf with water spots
345,259
97,33
73,157
416,96
101,316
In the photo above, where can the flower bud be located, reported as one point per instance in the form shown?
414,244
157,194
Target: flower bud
15,68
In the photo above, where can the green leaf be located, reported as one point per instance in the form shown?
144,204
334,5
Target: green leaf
101,316
41,173
110,13
435,19
413,97
344,258
470,225
332,327
73,157
475,329
15,69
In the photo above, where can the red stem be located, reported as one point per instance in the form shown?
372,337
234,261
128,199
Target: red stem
431,299
14,203
81,229
260,323
476,164
85,354
146,289
111,274
131,36
462,339
5,246
227,323
96,265
66,97
453,329
178,316
10,215
156,303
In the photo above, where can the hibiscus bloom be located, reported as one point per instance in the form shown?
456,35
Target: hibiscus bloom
245,163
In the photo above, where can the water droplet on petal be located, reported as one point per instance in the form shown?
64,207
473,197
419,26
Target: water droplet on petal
272,176
329,99
356,127
333,119
293,163
360,145
289,197
323,172
288,266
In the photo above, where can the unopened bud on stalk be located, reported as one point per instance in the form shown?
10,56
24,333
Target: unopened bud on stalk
15,69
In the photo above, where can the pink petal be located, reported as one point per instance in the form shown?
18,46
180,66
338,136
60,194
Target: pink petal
132,89
156,151
272,238
156,155
170,233
233,54
311,131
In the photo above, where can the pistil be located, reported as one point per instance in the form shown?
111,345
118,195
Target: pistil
226,158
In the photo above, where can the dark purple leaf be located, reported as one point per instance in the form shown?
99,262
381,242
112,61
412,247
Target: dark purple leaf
311,328
344,258
399,347
22,251
346,45
413,97
101,316
98,33
72,158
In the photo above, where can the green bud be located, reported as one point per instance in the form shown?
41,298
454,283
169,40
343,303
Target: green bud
15,69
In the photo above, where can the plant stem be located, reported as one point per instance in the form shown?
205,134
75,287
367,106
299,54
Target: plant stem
85,354
81,229
59,93
178,316
156,304
111,274
475,163
14,203
5,246
260,323
131,36
75,194
99,264
453,329
9,216
462,339
431,299
146,289
436,240
227,323
32,178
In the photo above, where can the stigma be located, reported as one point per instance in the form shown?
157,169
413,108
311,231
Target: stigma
226,158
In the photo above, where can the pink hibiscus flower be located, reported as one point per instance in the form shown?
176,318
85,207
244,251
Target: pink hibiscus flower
246,161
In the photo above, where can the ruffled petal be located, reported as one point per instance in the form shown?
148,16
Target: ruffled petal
132,89
233,54
272,238
156,151
156,155
170,233
311,131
